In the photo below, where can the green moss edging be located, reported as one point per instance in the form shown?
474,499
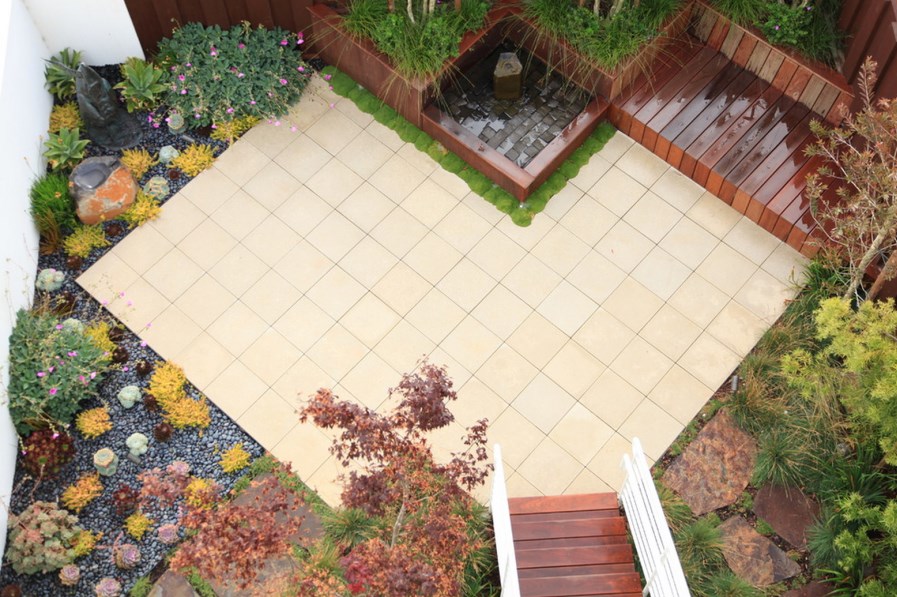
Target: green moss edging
521,213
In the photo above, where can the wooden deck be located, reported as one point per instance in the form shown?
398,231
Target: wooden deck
740,137
572,545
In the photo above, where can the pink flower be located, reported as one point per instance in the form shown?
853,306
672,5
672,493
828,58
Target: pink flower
106,302
327,77
230,110
300,41
188,65
55,435
122,293
53,391
301,69
241,45
276,123
130,303
182,78
143,344
155,125
283,42
293,129
183,92
213,52
51,369
777,27
149,324
214,126
174,68
196,116
58,326
93,374
73,353
125,368
41,373
251,102
283,81
82,379
332,105
240,75
167,119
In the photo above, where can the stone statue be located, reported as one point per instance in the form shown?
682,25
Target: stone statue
107,123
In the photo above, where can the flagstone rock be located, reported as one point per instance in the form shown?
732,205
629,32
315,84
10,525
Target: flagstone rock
753,557
102,188
172,584
788,511
811,589
715,468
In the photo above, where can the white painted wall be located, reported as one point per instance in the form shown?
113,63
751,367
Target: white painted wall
24,114
101,29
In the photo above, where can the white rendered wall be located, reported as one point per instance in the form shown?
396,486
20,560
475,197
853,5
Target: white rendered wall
101,29
24,113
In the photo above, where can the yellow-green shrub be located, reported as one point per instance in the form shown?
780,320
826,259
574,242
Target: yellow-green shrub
138,161
94,422
145,208
194,159
83,491
234,459
65,116
84,240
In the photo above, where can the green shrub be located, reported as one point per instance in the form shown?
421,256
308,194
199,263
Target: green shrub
65,149
41,538
85,239
700,547
786,24
59,73
143,84
50,195
51,370
217,75
781,458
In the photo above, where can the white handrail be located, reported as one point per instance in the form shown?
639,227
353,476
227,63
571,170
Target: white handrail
650,533
501,523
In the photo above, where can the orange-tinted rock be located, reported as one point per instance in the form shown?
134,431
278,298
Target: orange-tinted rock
753,557
102,189
788,511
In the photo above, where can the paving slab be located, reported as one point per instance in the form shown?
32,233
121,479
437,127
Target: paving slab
753,557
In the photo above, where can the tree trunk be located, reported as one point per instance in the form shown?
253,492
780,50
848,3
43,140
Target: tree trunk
410,11
883,234
887,273
391,5
457,5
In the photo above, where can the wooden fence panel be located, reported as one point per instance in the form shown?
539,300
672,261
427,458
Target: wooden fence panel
872,29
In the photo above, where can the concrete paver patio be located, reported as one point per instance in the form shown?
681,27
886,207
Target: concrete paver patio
338,256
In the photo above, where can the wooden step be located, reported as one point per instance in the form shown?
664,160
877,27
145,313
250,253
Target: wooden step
570,542
626,584
563,503
574,556
596,527
576,570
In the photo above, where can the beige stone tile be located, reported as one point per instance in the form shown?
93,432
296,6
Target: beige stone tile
574,369
418,159
567,308
581,434
269,139
476,401
562,202
237,328
526,236
325,481
398,232
624,246
396,178
661,273
333,182
786,265
302,158
714,215
615,147
350,110
587,482
385,135
604,336
588,220
335,236
207,244
432,258
517,436
507,373
303,210
765,296
590,173
531,280
709,361
633,304
308,110
235,389
271,240
269,419
435,315
462,228
537,339
496,254
305,448
301,381
606,463
303,324
207,192
271,186
370,380
142,305
401,288
726,269
641,365
617,191
689,243
429,203
178,218
677,189
501,311
680,394
611,398
241,161
366,207
303,266
737,328
370,320
518,486
450,182
368,262
466,284
549,468
333,131
142,248
561,250
173,274
699,300
483,208
653,426
471,343
205,301
336,292
203,360
270,356
642,165
364,154
543,402
670,332
337,352
751,241
107,278
403,347
596,277
171,332
271,296
239,270
652,216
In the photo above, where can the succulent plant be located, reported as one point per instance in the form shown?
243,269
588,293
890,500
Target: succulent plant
143,369
50,280
69,575
128,396
46,451
157,187
168,153
40,538
120,355
162,432
176,123
105,461
116,333
11,590
168,534
124,499
126,555
72,326
108,587
137,444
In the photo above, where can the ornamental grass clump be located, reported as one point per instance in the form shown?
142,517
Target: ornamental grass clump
41,538
216,75
86,489
51,206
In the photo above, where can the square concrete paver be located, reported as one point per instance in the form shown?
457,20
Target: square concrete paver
339,256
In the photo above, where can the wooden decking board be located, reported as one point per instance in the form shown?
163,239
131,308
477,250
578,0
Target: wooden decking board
574,556
563,503
569,541
595,527
579,570
624,584
560,516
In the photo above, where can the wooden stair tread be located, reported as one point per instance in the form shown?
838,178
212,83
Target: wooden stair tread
626,584
563,503
594,569
594,527
574,556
